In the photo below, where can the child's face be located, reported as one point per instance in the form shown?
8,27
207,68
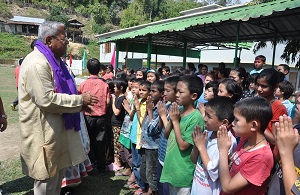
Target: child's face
281,69
117,91
129,84
170,92
209,94
164,72
207,79
235,76
278,93
211,120
241,127
151,77
263,88
144,92
155,94
139,75
252,86
183,95
135,87
223,92
258,64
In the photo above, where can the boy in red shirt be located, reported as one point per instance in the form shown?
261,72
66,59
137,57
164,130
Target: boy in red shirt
251,163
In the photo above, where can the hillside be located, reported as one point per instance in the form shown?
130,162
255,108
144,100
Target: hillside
17,46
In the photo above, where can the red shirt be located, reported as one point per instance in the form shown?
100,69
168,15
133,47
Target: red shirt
108,76
97,87
17,71
254,165
278,109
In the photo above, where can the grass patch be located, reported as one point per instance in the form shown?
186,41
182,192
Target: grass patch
8,92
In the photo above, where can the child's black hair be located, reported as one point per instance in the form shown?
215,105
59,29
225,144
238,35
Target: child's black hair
285,67
182,71
223,106
262,57
214,85
242,73
194,84
144,72
159,84
253,77
172,80
233,88
121,84
21,61
224,72
110,67
121,74
167,69
255,108
272,77
130,77
139,80
287,88
93,66
111,85
147,84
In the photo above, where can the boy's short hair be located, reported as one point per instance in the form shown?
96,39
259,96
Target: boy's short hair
172,80
223,106
121,74
110,67
121,84
159,84
287,88
194,84
214,85
93,66
253,77
131,77
255,108
147,84
285,67
137,80
262,57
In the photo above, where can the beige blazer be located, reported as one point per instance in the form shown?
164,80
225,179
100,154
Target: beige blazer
46,146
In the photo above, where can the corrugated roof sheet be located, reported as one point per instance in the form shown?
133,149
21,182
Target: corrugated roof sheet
23,19
264,21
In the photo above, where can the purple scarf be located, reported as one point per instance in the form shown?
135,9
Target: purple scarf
64,84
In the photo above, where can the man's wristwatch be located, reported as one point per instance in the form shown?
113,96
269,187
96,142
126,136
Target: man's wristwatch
4,116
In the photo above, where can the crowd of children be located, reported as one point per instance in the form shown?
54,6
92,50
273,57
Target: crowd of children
199,133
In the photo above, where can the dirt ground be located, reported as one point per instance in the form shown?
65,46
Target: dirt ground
10,142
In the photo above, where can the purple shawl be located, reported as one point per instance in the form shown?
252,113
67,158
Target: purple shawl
64,83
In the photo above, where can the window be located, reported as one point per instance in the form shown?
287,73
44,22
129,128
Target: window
107,48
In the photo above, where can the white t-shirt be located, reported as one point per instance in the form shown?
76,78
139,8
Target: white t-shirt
207,182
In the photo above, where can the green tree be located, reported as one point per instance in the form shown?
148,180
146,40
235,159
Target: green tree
57,15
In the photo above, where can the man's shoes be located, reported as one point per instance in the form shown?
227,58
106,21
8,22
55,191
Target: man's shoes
13,107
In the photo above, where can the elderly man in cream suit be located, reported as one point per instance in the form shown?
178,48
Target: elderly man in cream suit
48,110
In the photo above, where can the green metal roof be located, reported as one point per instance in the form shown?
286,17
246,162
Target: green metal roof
257,22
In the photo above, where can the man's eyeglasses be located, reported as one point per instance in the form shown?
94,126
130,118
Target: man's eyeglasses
61,40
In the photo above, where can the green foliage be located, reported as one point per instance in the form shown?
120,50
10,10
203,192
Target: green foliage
99,12
13,46
5,11
171,8
57,15
133,15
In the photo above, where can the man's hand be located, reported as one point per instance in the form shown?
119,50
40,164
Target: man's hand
89,99
3,124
